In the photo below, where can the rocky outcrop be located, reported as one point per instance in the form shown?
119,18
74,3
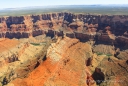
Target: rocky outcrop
122,55
109,70
76,22
103,29
65,60
68,58
91,47
18,58
104,49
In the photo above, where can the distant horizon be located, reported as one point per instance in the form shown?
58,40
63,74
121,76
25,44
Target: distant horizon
91,9
32,3
70,5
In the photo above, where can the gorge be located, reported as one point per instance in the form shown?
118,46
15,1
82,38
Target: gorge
64,49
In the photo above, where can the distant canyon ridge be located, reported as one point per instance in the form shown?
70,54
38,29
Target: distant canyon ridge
102,28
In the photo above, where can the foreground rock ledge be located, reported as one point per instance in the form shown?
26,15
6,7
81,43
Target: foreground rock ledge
66,67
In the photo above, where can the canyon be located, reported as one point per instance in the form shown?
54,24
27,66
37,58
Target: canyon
64,49
102,28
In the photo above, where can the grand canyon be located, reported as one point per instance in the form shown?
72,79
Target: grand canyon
64,49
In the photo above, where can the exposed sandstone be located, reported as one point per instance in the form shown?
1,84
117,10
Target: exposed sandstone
62,67
95,52
19,58
101,28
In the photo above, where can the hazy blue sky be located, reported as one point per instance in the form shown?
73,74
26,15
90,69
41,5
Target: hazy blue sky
24,3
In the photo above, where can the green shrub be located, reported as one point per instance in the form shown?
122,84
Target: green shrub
35,44
99,53
108,54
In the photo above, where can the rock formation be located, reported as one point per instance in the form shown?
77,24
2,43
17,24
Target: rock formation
64,49
20,57
63,67
101,28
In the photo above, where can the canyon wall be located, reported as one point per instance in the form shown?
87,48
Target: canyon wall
95,42
63,63
101,28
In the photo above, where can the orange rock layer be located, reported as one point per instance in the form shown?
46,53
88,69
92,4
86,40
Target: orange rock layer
69,70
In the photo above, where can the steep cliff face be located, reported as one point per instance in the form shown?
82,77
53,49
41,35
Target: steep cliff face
81,26
20,57
74,21
70,62
95,52
65,60
108,70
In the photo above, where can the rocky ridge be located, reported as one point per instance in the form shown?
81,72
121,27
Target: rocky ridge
101,28
95,52
20,57
60,68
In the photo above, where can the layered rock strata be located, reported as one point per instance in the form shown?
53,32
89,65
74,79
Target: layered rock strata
19,57
110,29
65,66
96,50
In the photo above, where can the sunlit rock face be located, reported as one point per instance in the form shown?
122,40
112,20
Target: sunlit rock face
73,63
65,65
101,28
57,21
64,49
